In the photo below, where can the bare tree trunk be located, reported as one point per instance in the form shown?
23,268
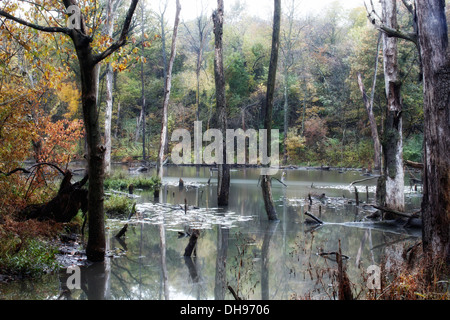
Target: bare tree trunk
108,117
163,41
116,132
168,84
223,187
392,140
288,61
164,56
304,107
199,65
108,30
373,125
265,181
433,37
144,157
285,127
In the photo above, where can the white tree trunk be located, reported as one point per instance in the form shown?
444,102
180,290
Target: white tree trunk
163,139
392,142
108,30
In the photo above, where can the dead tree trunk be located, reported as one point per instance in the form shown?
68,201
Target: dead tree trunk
108,30
223,187
65,205
168,85
265,181
433,37
144,122
392,138
369,107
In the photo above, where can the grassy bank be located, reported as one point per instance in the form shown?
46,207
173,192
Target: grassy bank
123,181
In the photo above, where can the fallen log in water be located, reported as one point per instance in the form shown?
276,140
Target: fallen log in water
317,220
398,213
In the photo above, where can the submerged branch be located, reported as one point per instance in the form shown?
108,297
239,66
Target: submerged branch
314,218
362,180
398,213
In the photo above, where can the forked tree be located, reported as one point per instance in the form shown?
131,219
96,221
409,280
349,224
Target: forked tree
88,60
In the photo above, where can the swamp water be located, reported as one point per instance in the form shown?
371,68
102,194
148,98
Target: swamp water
237,246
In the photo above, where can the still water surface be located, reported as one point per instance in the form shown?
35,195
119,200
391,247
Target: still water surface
237,247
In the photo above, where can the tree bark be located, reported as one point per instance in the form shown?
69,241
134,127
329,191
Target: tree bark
223,187
392,139
433,38
265,181
168,85
95,249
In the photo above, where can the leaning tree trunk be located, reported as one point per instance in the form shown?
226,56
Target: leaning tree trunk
393,174
433,37
223,186
373,124
265,179
369,107
168,85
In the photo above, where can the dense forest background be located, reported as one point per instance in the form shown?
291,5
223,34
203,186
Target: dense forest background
318,108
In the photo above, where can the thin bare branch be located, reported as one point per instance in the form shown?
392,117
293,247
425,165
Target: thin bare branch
375,19
123,36
32,25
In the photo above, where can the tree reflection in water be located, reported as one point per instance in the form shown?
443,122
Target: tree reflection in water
237,246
